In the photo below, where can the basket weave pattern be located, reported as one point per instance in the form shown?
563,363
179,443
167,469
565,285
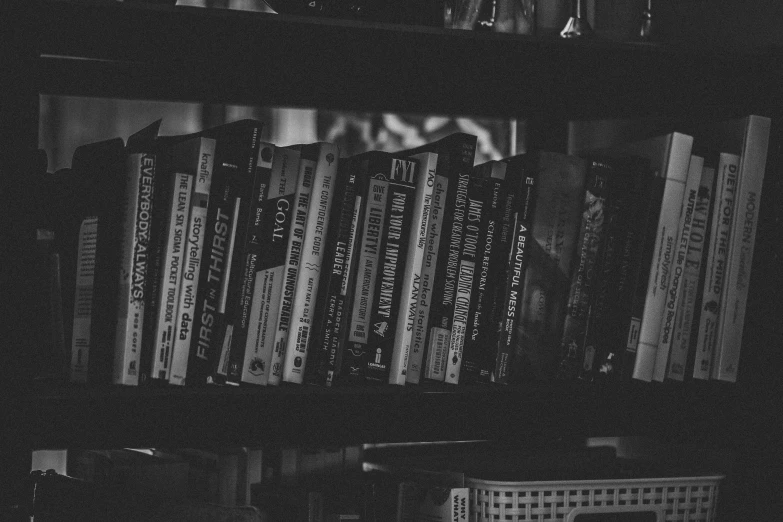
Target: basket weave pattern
675,499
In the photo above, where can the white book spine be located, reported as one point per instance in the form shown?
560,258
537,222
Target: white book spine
403,336
740,256
194,248
678,266
714,277
171,277
292,264
689,291
140,175
428,268
311,262
82,306
676,171
268,283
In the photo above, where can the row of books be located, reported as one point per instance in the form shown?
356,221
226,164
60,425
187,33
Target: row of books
218,258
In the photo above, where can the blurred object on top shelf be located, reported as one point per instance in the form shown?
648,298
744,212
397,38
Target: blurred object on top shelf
502,16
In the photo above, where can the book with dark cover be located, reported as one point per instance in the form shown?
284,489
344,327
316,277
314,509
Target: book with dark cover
387,308
478,354
588,252
234,168
516,250
621,253
240,290
270,266
335,280
456,155
560,181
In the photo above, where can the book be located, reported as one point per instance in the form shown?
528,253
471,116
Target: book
617,269
456,154
672,152
715,263
336,283
307,165
270,267
202,165
249,250
560,182
589,249
479,348
672,300
755,131
236,155
311,261
515,242
411,281
176,214
476,211
82,300
681,358
134,256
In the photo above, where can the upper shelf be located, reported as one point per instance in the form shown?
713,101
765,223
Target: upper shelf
183,53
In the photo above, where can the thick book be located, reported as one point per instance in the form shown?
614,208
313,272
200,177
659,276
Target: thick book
669,155
560,183
311,261
677,267
236,154
680,357
240,290
280,205
755,132
411,282
715,263
513,252
134,256
201,164
456,155
478,349
307,165
330,310
589,248
617,269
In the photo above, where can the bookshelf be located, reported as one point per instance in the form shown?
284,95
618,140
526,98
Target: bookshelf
139,51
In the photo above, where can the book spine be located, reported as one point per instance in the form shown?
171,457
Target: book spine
307,282
473,211
393,254
355,361
403,337
241,294
446,278
663,256
235,160
687,310
292,264
140,171
512,284
717,255
678,265
82,307
589,249
740,255
171,277
270,267
428,269
191,265
481,338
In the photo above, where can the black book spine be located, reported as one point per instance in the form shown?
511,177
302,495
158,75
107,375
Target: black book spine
240,289
523,187
395,239
330,306
235,159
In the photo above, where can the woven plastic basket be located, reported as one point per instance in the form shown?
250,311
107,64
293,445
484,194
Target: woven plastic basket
667,499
